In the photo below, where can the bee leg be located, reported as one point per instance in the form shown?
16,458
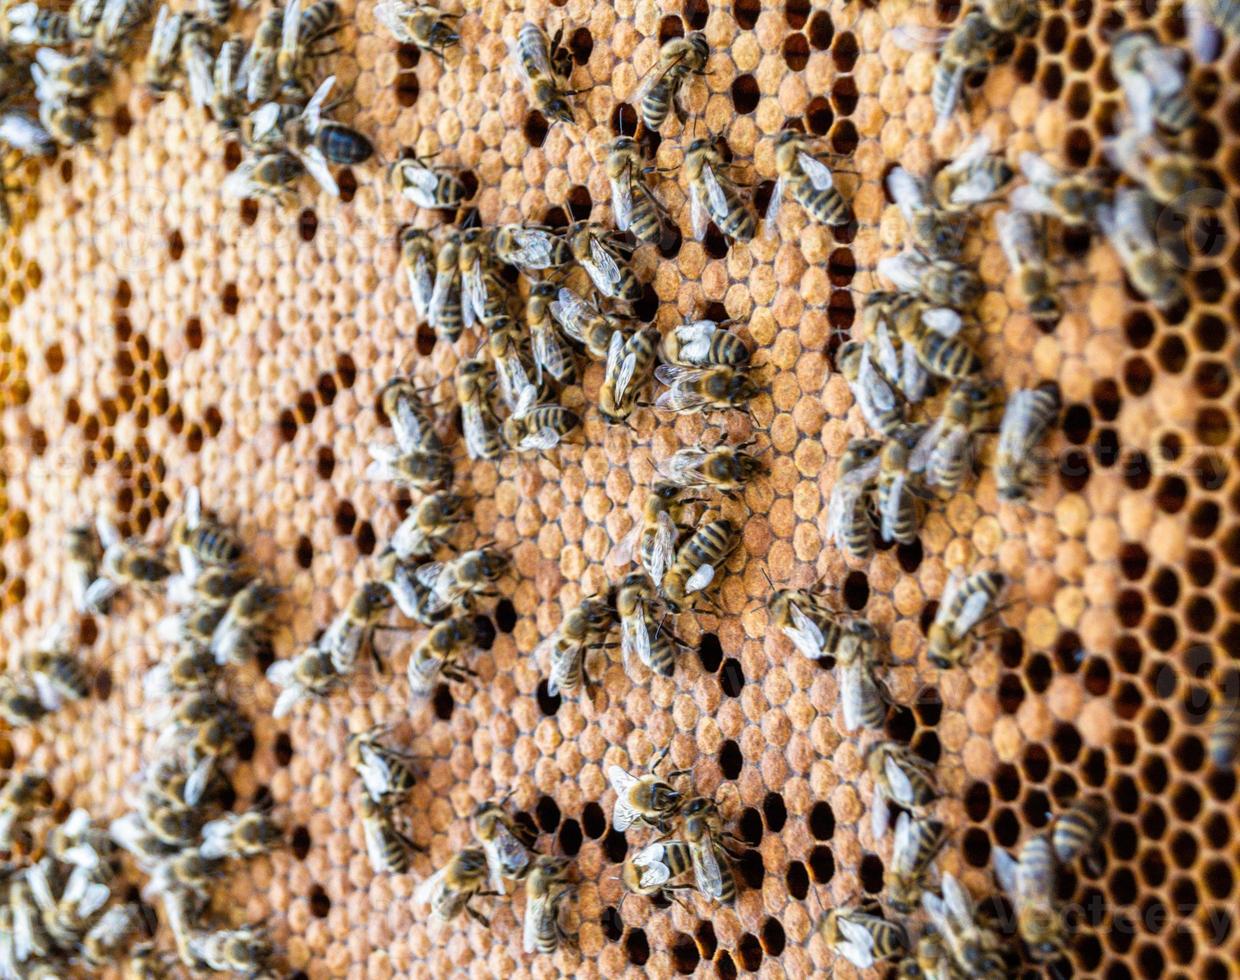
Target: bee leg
477,916
409,842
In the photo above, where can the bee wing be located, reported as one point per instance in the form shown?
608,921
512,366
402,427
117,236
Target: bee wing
197,781
974,189
1204,36
858,947
694,339
819,173
622,201
682,467
534,248
1029,198
1016,238
1037,170
917,37
906,190
880,815
878,394
914,379
540,441
418,183
537,911
549,353
635,638
22,133
773,207
901,841
937,913
316,166
699,218
216,837
199,69
390,13
706,871
716,197
314,108
429,889
897,779
805,634
421,285
1007,873
290,28
856,690
954,445
48,696
889,514
623,553
663,551
973,612
538,54
621,781
1015,424
924,449
511,855
570,312
904,270
680,395
407,427
375,772
943,321
372,831
602,267
476,430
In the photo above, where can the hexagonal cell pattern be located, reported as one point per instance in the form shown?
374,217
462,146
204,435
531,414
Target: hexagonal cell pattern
155,336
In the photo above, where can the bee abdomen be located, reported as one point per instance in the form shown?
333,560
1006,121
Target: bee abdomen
949,357
827,206
343,145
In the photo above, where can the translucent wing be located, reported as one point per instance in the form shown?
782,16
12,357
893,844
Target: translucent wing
950,590
375,772
973,611
536,912
572,313
772,209
22,133
924,450
699,218
682,467
650,860
1038,170
858,948
418,183
1029,198
622,201
478,432
316,166
635,638
314,108
974,189
904,270
534,248
540,441
390,13
1007,872
694,339
897,779
663,548
973,154
549,353
623,815
943,321
680,395
427,892
804,633
853,678
421,285
215,837
372,830
603,268
716,197
511,856
951,94
1015,424
290,28
537,55
819,173
706,871
905,190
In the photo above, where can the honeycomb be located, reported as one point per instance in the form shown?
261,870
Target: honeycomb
154,336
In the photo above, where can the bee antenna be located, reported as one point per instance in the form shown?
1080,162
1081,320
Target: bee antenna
767,575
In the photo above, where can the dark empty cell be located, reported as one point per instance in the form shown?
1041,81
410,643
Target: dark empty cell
1079,101
193,438
1184,849
320,904
1163,633
1201,614
909,556
346,517
1212,427
685,956
346,371
1210,471
124,294
103,684
229,300
715,242
581,43
300,842
732,678
762,196
750,826
1011,693
1006,828
615,845
749,951
624,120
593,820
723,962
326,463
1054,33
1037,809
1136,470
977,801
176,245
443,703
555,217
283,749
305,552
548,814
819,116
548,703
1007,782
424,339
670,27
407,89
505,616
796,12
636,947
124,363
647,307
796,52
613,925
745,93
775,812
821,31
307,225
1011,648
1077,423
841,310
928,706
1139,329
1172,354
485,632
1068,652
821,863
1106,448
1205,140
844,52
730,759
1210,332
751,869
1171,494
579,202
773,937
901,724
976,846
408,56
746,13
1052,81
844,138
1074,470
1166,587
535,128
798,881
927,745
928,612
1037,763
670,242
1211,378
247,210
696,12
707,942
1066,741
871,873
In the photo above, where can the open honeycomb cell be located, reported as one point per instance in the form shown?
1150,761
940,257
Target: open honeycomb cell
245,353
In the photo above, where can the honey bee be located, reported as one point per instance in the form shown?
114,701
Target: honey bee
974,177
28,936
77,77
896,495
446,313
585,323
512,366
1029,881
646,801
1079,830
943,453
458,581
545,65
1128,225
353,629
268,175
57,673
227,101
439,655
66,918
483,295
1011,16
322,141
387,847
310,674
118,24
901,777
703,343
914,847
941,282
726,469
29,24
850,519
412,424
814,626
201,540
1224,736
662,90
583,629
427,187
417,254
863,938
387,774
21,797
478,422
242,631
642,634
967,601
709,389
531,248
1073,199
125,562
429,524
146,963
300,33
449,890
110,936
699,561
77,842
259,67
545,891
507,845
1028,417
650,870
1166,175
243,951
931,229
633,204
713,196
604,258
629,364
84,17
968,48
205,726
69,124
807,180
881,405
419,24
1024,247
191,670
657,534
240,835
539,428
974,948
1154,81
551,353
26,135
708,850
163,57
419,468
20,704
197,58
